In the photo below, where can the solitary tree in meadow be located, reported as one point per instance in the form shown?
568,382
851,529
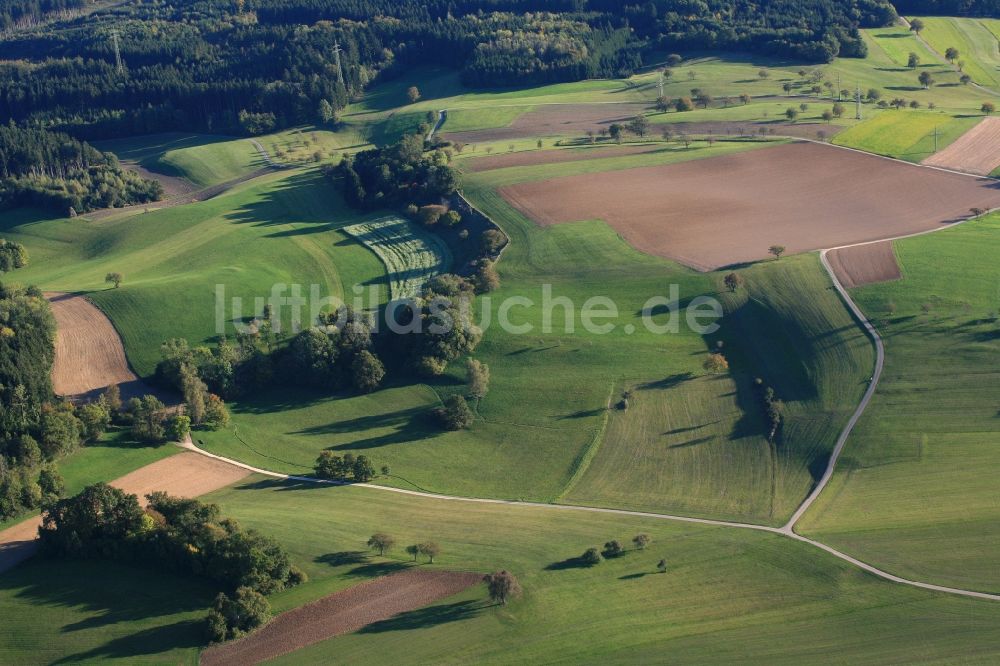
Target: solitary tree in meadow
965,79
591,557
502,586
639,125
951,54
413,94
827,115
837,110
381,542
776,250
926,80
430,550
716,364
744,98
916,25
988,108
413,550
641,541
763,74
733,281
478,378
791,113
114,278
913,61
661,566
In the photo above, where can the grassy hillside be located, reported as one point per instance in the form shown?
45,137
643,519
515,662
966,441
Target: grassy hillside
728,595
916,490
282,228
976,45
694,442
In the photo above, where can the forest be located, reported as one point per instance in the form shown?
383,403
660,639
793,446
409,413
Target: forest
53,170
211,66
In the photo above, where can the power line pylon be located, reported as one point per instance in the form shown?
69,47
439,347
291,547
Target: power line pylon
118,53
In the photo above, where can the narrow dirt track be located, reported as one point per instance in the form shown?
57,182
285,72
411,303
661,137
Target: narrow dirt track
341,613
184,475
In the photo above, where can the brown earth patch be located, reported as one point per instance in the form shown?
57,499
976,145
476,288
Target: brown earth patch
977,151
864,264
533,157
89,354
341,613
727,210
172,185
186,474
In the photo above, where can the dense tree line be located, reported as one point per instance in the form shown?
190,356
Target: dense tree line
25,12
54,170
248,66
183,535
988,8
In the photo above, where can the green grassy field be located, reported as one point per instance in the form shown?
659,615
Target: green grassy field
915,492
173,259
728,595
698,443
57,612
907,135
976,44
206,160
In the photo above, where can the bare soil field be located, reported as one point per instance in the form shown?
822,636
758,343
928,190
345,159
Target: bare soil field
977,151
172,185
865,264
341,613
186,474
533,157
727,210
89,353
553,120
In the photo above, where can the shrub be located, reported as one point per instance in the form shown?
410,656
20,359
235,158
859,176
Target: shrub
455,414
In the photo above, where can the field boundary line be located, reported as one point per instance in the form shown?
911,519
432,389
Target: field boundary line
589,453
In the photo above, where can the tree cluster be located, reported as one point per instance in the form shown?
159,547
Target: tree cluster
53,170
176,534
344,468
396,176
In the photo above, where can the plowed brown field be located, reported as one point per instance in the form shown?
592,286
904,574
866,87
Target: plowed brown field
341,613
864,264
977,151
727,210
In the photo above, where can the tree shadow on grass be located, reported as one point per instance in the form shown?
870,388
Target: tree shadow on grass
423,618
633,576
377,569
343,558
152,641
569,563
